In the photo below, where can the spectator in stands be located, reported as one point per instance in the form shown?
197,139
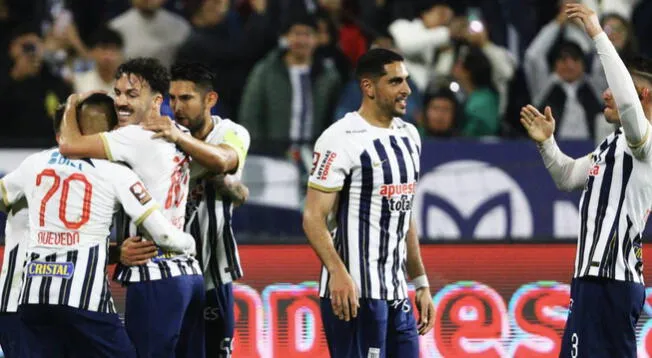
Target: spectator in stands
621,34
475,33
350,37
420,39
151,31
228,44
328,48
440,111
572,96
290,95
473,73
106,53
351,96
30,92
537,62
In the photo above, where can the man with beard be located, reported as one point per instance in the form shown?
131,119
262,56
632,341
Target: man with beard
139,89
365,170
214,188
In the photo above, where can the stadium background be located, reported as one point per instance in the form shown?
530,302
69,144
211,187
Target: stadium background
498,239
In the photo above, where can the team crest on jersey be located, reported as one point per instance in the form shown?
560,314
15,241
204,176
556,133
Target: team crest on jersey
50,269
141,194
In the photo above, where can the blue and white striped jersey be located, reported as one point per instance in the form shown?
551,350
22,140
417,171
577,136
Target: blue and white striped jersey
16,239
375,170
71,205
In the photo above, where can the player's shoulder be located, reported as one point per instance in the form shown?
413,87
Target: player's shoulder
43,157
408,128
227,124
342,129
114,172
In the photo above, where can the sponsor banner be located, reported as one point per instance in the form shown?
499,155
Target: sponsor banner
491,300
468,190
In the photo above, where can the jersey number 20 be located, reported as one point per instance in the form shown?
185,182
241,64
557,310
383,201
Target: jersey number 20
63,201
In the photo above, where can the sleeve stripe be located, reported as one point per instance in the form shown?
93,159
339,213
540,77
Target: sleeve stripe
643,141
144,217
3,192
107,149
323,188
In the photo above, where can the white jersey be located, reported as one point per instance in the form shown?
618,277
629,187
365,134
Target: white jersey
614,208
16,239
617,196
165,171
210,215
71,206
376,171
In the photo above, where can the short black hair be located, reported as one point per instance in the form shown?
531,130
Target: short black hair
372,63
195,72
479,67
299,18
24,29
640,66
442,92
96,99
150,70
106,36
570,49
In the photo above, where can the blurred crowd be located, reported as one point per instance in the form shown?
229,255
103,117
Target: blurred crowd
284,67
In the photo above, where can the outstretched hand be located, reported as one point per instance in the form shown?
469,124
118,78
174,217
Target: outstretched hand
587,17
539,126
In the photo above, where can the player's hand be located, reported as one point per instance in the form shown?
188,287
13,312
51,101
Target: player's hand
587,17
539,127
164,128
426,310
136,251
344,298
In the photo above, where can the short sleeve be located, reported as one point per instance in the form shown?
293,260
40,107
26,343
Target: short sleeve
125,144
238,139
331,163
12,185
132,194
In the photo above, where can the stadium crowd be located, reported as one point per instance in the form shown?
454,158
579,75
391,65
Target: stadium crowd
284,67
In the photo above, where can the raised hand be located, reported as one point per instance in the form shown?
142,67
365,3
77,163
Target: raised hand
587,17
539,126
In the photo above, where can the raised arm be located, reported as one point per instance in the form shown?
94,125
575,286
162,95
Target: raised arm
632,116
567,173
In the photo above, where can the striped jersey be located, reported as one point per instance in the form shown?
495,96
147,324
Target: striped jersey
164,169
71,205
209,214
614,208
16,239
375,171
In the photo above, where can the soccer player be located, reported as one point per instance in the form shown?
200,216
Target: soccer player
365,171
16,235
139,89
66,307
607,290
212,196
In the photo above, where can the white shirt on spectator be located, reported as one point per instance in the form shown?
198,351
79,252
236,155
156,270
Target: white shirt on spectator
419,45
158,36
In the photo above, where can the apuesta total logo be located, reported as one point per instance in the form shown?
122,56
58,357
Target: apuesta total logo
471,199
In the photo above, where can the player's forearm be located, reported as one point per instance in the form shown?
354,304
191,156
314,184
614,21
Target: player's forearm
567,173
69,131
314,226
415,266
167,236
622,86
236,191
215,159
